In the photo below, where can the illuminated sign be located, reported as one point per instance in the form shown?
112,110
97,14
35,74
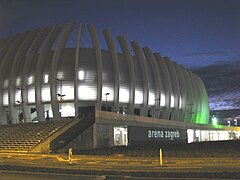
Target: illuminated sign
149,134
164,134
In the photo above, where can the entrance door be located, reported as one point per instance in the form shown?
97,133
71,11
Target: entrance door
120,136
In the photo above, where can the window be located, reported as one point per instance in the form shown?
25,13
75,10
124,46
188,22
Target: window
172,101
46,78
81,75
18,81
6,82
30,80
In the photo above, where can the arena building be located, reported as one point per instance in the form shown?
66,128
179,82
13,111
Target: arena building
136,95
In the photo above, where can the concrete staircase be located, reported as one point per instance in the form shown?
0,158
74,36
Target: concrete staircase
23,137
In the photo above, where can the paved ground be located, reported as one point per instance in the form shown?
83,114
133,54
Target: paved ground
114,167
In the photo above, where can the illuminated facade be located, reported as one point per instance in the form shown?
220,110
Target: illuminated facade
43,78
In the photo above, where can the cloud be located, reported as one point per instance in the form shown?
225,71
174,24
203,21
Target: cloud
209,53
202,59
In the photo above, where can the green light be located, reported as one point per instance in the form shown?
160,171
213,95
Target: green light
214,121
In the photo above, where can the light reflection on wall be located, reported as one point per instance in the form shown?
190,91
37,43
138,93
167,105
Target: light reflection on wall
67,110
81,75
172,101
18,81
6,82
110,96
46,96
18,95
207,135
163,100
123,95
31,95
5,98
30,80
180,102
151,99
46,78
48,110
138,96
87,92
68,91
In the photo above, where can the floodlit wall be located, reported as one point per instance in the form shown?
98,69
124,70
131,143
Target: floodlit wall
197,135
41,78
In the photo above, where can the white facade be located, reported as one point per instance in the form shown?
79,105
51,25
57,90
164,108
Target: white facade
41,78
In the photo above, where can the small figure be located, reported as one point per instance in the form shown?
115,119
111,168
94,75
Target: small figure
70,155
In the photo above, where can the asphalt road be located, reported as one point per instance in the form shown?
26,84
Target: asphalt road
115,167
13,175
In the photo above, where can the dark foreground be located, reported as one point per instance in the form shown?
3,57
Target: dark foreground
120,165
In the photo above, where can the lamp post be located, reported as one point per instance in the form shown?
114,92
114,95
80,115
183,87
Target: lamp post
60,94
19,111
157,103
20,102
190,112
106,100
158,106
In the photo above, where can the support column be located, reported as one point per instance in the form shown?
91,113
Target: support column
190,97
4,49
32,51
112,49
96,46
16,66
195,98
183,93
76,69
167,84
176,90
6,64
157,81
126,51
140,56
205,105
45,49
62,40
199,99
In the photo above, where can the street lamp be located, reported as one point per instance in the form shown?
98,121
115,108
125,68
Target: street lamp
20,102
190,110
157,103
158,106
60,95
20,115
61,81
214,121
106,100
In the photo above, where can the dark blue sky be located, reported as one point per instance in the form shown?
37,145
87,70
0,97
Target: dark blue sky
195,33
191,32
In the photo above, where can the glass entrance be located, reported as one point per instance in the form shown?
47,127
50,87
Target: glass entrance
120,136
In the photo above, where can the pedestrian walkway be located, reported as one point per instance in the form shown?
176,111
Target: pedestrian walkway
112,165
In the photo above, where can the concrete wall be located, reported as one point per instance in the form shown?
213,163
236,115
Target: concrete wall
82,142
103,135
97,136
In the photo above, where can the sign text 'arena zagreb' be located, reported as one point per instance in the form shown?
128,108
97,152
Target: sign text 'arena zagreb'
167,134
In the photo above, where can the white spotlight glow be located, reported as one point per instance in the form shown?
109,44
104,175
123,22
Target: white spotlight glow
81,75
172,101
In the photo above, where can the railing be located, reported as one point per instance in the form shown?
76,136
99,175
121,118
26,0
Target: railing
44,145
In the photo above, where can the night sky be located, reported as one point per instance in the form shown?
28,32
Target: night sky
203,35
